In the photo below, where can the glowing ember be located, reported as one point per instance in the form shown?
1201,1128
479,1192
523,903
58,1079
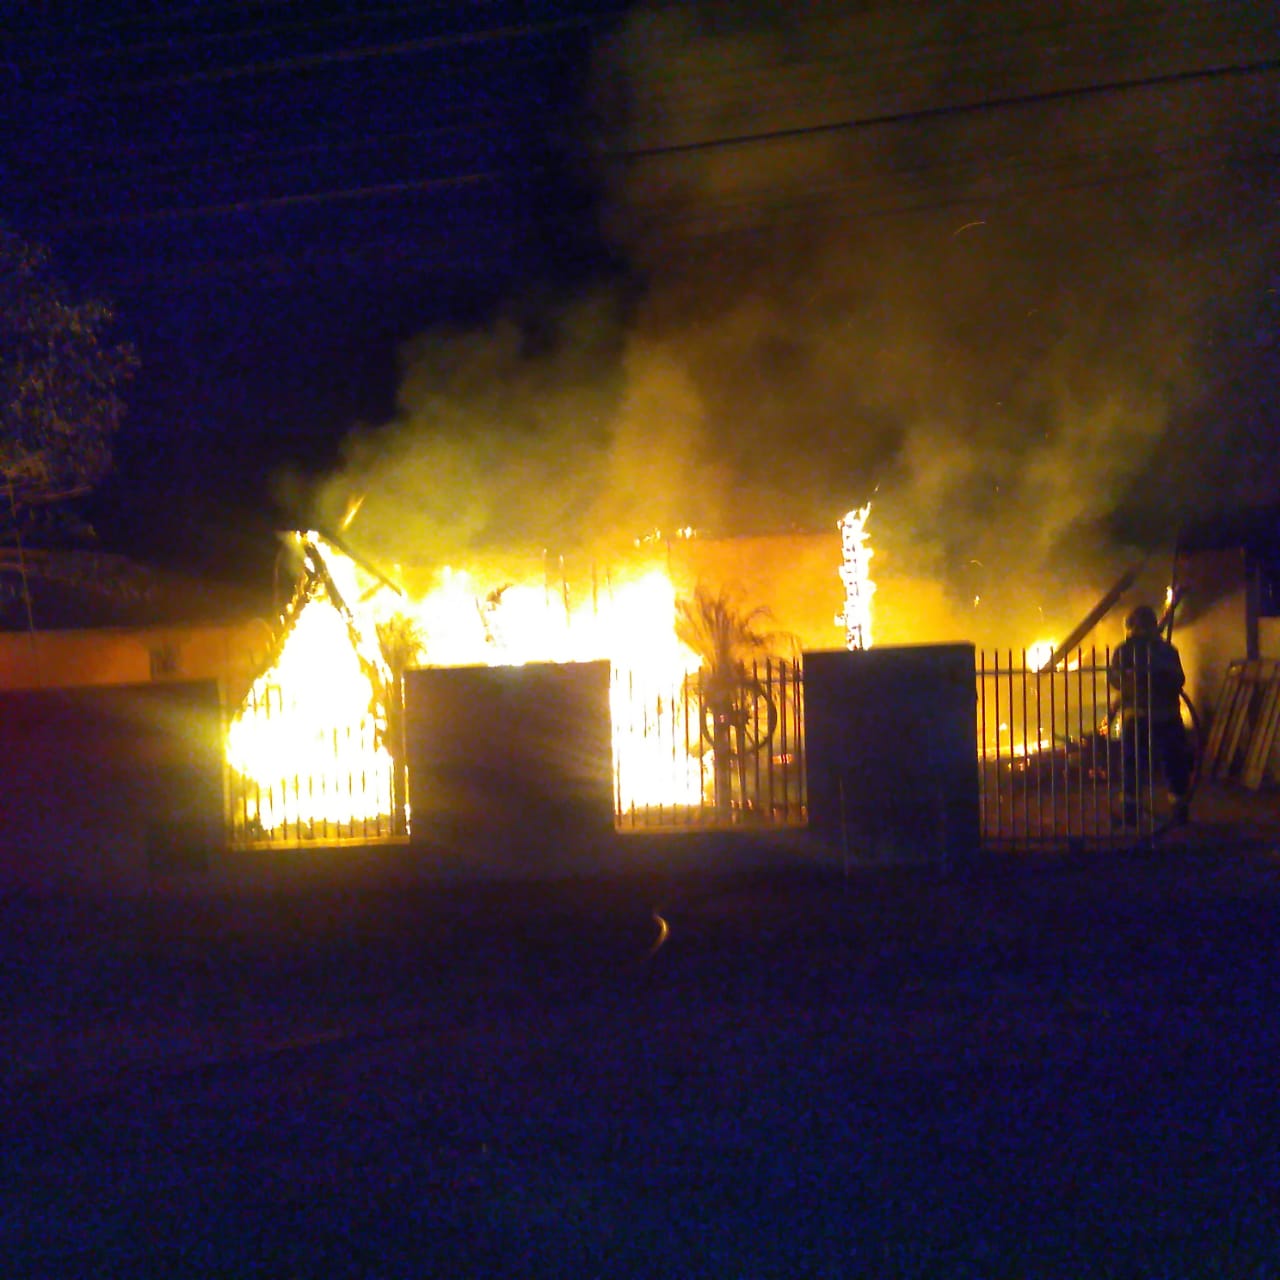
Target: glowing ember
854,573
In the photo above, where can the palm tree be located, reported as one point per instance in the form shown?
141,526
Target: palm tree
726,637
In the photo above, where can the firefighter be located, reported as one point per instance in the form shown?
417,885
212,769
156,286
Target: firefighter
1147,672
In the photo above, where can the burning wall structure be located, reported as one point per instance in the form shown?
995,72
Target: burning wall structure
316,748
1015,280
311,745
314,745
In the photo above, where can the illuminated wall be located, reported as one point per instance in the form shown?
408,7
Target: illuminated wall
111,656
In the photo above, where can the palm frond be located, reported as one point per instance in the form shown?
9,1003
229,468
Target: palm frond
721,632
402,642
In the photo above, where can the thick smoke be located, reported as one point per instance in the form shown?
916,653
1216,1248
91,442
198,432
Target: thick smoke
556,431
500,437
1029,330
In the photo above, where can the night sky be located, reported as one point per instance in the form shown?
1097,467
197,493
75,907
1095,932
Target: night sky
274,196
560,273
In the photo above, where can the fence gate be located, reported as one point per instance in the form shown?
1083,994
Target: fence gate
1057,767
710,751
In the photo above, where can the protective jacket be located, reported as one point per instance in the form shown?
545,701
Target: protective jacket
1147,671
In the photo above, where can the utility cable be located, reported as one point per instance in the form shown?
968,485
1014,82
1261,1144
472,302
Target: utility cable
478,177
1010,101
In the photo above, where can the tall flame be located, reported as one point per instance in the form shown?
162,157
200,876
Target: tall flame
312,733
855,574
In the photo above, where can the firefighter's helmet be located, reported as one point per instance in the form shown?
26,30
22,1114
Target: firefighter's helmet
1142,622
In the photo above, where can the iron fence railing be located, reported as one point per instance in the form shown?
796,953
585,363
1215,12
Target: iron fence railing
1060,765
710,751
294,778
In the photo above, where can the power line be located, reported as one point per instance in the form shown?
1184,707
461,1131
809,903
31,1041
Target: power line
919,114
252,145
717,219
169,16
830,206
406,256
346,55
472,178
169,42
371,191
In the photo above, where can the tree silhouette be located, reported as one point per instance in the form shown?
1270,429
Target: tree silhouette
61,374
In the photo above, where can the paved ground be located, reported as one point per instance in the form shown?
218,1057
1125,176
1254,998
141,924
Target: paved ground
1065,1068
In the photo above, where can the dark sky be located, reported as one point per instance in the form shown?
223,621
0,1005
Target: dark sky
275,195
564,272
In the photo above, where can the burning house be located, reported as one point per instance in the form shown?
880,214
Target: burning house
525,705
316,749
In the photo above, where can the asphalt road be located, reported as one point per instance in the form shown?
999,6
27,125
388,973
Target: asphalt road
1060,1069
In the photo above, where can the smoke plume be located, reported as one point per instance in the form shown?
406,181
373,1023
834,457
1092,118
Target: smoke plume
1007,269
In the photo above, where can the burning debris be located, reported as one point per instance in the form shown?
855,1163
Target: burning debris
310,743
316,749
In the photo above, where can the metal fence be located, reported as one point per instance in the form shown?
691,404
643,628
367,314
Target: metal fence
711,751
704,752
295,778
1059,765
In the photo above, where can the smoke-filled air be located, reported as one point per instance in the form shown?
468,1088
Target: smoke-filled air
1009,271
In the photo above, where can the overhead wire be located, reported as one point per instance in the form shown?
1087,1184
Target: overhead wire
171,42
879,68
398,49
302,62
169,14
712,222
872,59
944,110
171,153
365,191
371,191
